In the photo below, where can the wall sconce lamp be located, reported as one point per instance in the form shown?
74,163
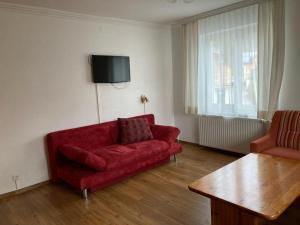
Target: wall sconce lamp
144,99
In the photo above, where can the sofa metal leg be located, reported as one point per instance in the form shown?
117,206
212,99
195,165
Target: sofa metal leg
175,159
85,194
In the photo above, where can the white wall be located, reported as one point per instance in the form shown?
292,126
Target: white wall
45,82
290,92
289,96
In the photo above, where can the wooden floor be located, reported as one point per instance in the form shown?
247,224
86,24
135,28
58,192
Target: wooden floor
158,196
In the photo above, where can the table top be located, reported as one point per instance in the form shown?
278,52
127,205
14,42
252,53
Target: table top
262,184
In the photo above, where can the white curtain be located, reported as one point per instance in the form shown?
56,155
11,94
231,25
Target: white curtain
271,45
228,63
190,32
234,61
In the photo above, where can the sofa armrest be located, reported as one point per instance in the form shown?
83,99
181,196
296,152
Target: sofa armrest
262,144
165,133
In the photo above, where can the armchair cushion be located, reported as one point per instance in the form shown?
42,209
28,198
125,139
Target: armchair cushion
83,157
289,130
134,130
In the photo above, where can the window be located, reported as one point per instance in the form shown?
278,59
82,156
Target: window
227,63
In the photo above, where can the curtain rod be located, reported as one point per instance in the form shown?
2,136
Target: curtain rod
214,12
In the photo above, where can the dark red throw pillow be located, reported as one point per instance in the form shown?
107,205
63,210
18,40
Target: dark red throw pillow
134,130
83,157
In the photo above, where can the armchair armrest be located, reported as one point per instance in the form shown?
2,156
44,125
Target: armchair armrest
262,144
165,133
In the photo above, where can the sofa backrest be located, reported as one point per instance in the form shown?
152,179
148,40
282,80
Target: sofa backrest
87,137
288,134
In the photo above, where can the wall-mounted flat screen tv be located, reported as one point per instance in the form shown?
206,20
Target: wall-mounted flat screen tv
110,69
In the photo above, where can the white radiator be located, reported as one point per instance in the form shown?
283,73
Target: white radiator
229,134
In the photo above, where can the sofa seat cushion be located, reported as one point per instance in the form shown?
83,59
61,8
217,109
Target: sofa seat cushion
283,152
150,147
119,156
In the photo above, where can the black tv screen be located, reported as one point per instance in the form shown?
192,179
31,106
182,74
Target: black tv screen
110,69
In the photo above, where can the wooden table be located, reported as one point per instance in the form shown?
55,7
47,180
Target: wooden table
251,190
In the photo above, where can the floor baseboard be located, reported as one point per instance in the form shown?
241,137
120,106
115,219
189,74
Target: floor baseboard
189,143
224,151
23,190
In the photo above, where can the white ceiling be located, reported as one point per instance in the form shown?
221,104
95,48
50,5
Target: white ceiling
157,11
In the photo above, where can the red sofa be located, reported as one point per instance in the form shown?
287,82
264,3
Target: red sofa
283,137
121,161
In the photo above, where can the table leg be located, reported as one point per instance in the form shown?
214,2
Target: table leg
225,214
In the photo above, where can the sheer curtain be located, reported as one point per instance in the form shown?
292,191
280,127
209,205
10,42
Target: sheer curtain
228,63
234,61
